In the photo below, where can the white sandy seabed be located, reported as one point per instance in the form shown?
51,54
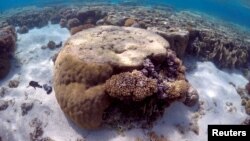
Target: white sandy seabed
222,104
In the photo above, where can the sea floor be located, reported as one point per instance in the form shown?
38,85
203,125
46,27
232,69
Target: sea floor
32,114
219,101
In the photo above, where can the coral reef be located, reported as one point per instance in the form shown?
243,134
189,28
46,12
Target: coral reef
86,103
116,75
73,23
129,22
90,16
7,47
63,23
246,121
23,30
124,112
177,89
79,28
247,107
227,46
245,98
188,33
154,137
212,46
73,18
130,86
178,40
192,97
32,18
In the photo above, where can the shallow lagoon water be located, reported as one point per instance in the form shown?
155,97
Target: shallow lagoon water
235,11
212,84
219,101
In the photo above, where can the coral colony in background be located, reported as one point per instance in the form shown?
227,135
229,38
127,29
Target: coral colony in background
111,67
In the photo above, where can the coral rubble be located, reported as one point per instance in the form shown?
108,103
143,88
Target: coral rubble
177,38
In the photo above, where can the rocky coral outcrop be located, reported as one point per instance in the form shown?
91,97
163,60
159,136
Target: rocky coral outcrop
177,38
112,67
129,22
177,89
224,52
90,16
79,28
192,97
23,30
245,97
223,44
7,47
32,18
65,13
68,13
73,23
63,22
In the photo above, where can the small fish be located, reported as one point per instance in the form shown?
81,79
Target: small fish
47,88
34,84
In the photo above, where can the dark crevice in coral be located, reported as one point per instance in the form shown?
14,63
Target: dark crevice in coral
130,114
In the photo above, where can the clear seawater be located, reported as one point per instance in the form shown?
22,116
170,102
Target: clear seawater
235,11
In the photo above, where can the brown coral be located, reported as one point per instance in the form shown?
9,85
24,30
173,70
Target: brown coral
73,23
247,107
99,79
78,90
134,85
7,47
192,97
76,29
129,22
7,40
224,52
177,89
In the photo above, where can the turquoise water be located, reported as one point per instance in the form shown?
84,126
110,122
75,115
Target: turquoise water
236,11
